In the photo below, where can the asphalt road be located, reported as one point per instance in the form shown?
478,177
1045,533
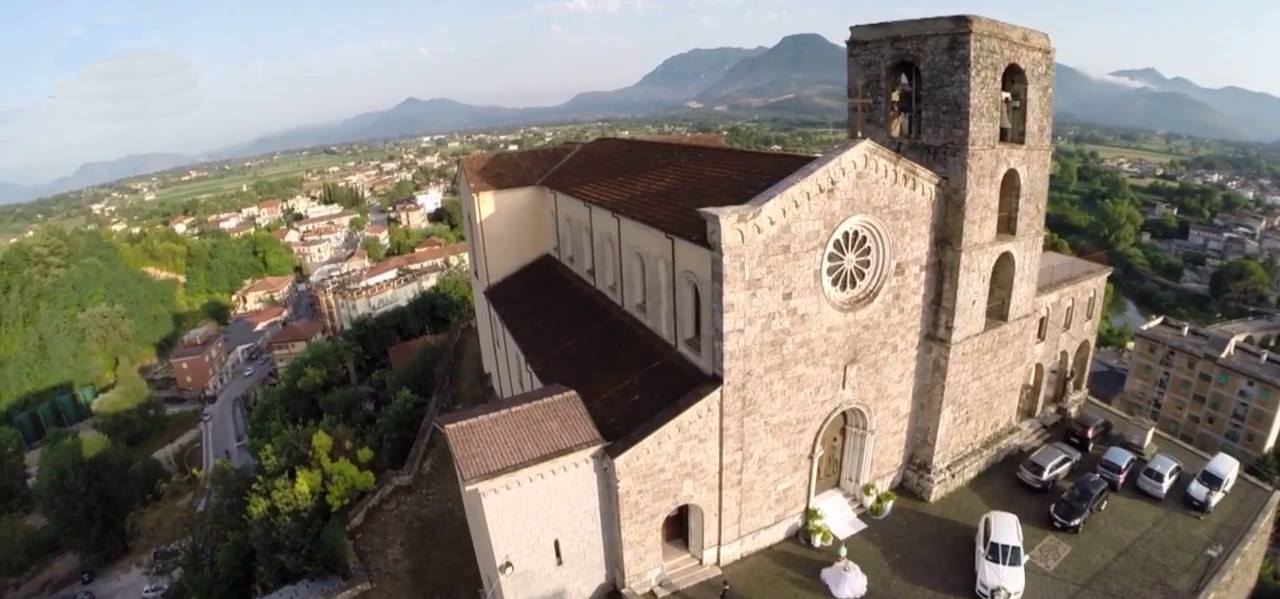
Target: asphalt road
225,430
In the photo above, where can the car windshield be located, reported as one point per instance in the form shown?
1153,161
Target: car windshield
1109,466
1155,475
1033,468
1005,555
1211,480
1078,495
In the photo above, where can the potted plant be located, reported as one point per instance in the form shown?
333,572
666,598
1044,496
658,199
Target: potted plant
815,528
883,505
869,493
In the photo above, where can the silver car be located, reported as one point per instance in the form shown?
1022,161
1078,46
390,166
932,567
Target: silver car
1159,476
1048,465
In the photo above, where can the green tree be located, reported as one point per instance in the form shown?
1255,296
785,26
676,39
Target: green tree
87,488
14,494
397,427
1241,281
359,222
218,560
133,426
374,248
1119,221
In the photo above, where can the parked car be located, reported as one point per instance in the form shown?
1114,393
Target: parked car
248,371
85,595
1048,465
154,591
1085,429
1213,483
1159,476
87,576
1116,465
998,559
1089,494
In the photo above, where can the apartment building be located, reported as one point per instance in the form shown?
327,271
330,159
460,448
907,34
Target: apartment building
1207,387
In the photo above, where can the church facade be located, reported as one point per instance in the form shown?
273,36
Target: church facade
693,344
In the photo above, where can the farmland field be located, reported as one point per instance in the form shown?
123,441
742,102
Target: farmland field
1113,151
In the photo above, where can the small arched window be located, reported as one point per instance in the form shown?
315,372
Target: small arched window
588,262
608,264
1013,105
1042,328
1070,313
691,313
1010,194
903,87
559,557
639,284
567,241
1000,290
1091,306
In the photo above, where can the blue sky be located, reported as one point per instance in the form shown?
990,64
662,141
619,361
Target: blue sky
89,81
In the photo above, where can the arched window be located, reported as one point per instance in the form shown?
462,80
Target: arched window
567,241
1010,193
588,263
691,313
1070,313
639,284
1000,291
1091,306
1042,328
904,84
608,266
1013,105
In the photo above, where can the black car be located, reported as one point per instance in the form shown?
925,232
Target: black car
1090,494
1085,429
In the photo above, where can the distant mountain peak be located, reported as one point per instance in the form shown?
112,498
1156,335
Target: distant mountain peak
1146,73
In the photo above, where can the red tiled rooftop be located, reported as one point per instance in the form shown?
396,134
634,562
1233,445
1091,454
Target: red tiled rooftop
302,330
508,434
630,380
506,170
658,183
267,284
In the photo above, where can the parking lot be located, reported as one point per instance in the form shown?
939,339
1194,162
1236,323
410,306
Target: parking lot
1138,547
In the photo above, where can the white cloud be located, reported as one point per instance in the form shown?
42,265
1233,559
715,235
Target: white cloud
424,52
589,6
1112,79
556,29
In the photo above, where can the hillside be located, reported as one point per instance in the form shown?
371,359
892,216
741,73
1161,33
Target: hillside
1256,114
94,173
673,82
1081,97
803,66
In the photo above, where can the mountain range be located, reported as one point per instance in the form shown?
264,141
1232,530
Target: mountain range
802,76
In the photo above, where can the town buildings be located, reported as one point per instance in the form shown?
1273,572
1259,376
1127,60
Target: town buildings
695,344
289,342
262,293
1209,387
409,213
346,297
200,361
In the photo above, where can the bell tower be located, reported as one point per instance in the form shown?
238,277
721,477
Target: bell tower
972,99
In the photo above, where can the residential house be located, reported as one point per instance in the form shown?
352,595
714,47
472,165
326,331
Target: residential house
290,341
199,361
262,293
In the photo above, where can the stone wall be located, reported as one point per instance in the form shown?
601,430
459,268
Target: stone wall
791,358
677,465
1238,571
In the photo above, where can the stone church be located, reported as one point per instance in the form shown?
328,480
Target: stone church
693,344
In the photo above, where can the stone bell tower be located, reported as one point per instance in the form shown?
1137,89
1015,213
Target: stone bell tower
972,99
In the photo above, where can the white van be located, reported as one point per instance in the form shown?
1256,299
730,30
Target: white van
1214,482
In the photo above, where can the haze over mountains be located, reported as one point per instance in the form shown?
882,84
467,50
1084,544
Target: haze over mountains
802,76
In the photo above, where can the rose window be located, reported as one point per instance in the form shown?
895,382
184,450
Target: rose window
855,262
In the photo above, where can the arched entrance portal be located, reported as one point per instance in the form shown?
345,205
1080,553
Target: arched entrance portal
842,452
682,533
1029,407
1080,368
1063,382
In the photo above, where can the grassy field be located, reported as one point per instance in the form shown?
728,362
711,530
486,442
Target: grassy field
226,183
1113,151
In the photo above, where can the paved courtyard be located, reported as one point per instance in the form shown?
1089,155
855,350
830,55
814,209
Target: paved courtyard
1138,547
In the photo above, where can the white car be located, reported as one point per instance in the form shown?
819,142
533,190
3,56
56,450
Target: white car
1159,476
154,591
248,371
1213,483
998,557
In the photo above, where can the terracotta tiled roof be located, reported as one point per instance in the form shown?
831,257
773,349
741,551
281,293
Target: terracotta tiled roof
265,315
506,435
302,330
661,184
505,170
713,140
570,334
267,284
403,353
